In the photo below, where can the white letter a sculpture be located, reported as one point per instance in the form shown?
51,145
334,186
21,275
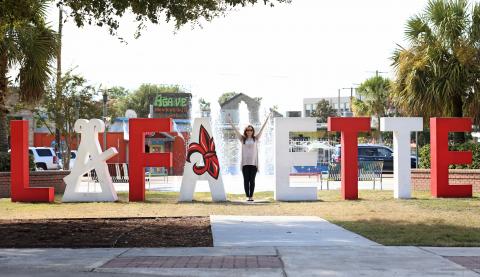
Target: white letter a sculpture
90,156
202,163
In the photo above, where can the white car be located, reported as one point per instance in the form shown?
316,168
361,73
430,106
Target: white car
73,157
44,157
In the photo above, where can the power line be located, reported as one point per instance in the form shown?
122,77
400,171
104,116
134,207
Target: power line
378,72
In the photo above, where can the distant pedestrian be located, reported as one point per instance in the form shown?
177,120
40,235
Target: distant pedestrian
249,163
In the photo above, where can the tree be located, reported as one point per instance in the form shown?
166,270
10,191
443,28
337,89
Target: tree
76,100
438,74
323,111
108,12
116,101
374,101
141,99
225,97
26,44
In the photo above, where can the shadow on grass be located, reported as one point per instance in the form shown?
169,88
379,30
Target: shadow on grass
390,232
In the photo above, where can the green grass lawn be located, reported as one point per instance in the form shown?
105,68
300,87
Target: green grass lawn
376,215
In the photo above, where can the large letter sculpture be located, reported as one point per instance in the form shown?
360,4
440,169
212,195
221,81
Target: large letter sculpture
401,128
349,128
19,185
441,158
139,159
285,160
202,163
90,156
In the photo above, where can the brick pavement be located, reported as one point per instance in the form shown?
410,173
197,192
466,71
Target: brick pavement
470,262
195,262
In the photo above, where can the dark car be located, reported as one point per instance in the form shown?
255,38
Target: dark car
373,152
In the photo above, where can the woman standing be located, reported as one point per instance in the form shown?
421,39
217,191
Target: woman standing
249,163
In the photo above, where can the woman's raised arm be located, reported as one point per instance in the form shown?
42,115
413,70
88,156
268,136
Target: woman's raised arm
237,132
263,126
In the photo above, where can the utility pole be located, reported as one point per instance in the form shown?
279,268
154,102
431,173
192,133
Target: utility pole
377,73
351,95
105,99
58,88
338,111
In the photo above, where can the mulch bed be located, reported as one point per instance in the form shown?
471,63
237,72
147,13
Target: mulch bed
106,232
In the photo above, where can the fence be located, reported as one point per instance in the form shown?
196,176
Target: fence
367,171
119,173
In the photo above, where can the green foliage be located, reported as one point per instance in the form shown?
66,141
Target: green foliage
141,99
424,155
5,162
27,47
323,111
12,11
76,101
438,73
375,99
225,97
375,96
109,12
204,104
117,93
116,98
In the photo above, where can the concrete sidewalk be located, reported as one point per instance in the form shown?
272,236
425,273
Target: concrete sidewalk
281,231
252,246
243,261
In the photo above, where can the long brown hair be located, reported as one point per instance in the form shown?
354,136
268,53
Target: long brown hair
245,133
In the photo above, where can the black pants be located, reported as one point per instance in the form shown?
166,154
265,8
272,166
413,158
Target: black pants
249,172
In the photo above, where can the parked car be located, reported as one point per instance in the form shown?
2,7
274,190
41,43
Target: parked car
44,157
73,157
373,152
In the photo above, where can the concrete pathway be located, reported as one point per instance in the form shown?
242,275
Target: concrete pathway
217,261
281,231
252,246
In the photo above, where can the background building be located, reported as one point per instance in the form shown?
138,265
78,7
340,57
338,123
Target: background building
293,114
342,105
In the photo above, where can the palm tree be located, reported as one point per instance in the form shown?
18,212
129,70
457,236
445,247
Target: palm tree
439,73
374,101
29,45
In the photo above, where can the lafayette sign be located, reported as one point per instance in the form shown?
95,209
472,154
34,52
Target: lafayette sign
202,162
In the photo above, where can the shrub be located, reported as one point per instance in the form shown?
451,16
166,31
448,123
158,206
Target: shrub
5,162
424,155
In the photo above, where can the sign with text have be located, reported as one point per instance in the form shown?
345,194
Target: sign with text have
172,105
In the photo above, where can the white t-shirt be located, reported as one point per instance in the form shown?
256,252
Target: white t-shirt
250,152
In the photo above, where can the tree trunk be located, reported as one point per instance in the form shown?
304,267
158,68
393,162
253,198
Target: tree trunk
458,137
3,104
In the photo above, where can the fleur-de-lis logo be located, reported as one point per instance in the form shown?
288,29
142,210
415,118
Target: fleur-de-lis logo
206,147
